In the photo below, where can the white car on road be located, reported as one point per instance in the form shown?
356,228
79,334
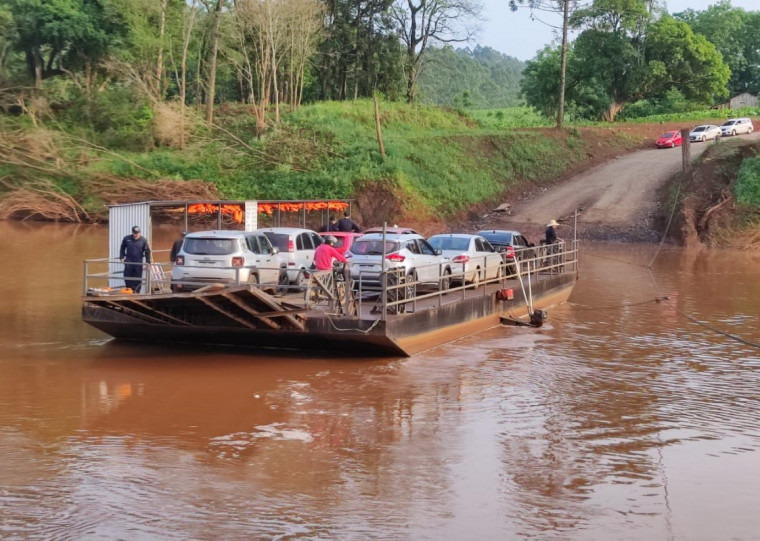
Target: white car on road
735,126
704,133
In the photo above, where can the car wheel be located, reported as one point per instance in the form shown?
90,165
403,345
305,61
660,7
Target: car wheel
300,280
749,131
446,280
733,132
672,144
704,138
253,279
410,291
499,273
476,279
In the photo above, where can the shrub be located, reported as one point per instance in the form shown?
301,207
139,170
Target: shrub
747,186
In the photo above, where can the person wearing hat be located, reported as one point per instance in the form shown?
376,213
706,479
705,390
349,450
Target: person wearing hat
551,232
176,247
133,248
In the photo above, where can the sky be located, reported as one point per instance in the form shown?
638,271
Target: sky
516,35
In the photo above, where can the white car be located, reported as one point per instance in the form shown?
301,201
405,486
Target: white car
734,126
296,247
704,132
472,256
408,251
225,256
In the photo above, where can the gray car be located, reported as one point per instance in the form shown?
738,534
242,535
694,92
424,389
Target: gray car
408,252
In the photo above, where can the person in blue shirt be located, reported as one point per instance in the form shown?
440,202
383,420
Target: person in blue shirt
133,249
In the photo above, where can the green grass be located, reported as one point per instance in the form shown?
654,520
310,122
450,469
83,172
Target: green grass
439,160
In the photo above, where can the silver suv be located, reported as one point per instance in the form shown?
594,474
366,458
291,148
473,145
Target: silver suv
408,251
734,126
296,247
227,257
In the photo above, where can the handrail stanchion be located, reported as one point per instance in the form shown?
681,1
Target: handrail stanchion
146,273
84,279
384,277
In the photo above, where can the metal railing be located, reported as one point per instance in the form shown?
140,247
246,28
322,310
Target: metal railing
391,291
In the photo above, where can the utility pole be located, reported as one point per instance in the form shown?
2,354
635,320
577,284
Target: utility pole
685,150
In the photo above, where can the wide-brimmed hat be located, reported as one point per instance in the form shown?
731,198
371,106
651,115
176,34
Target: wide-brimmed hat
553,223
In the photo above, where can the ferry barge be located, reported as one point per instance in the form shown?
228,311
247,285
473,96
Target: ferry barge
329,313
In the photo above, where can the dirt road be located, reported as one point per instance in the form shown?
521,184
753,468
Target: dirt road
617,200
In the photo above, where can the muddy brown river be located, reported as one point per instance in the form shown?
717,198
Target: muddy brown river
621,418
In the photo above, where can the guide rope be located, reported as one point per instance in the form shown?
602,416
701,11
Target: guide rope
660,297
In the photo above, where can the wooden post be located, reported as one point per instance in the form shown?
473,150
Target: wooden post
685,150
379,131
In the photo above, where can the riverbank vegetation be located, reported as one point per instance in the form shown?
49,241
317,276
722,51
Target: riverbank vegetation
718,201
105,101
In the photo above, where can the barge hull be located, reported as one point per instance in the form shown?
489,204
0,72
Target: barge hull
398,335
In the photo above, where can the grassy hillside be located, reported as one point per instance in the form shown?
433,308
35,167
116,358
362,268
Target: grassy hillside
438,162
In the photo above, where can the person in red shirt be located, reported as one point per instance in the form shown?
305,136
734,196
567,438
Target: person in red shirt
325,252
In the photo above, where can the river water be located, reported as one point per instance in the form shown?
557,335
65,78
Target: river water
621,418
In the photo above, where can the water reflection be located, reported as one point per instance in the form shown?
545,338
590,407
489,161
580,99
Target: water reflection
619,419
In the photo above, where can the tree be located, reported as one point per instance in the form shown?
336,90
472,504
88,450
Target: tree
55,35
214,9
678,58
606,70
734,32
420,21
565,8
361,52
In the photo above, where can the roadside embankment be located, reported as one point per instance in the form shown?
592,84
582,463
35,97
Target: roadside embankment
717,204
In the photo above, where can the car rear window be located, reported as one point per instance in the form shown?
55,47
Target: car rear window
278,240
497,238
210,246
449,243
374,247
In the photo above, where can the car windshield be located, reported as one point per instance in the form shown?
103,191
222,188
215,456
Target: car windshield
450,243
501,239
207,246
669,134
374,247
700,128
278,240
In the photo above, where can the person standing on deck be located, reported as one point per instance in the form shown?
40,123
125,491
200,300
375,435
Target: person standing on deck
325,253
551,232
331,226
347,225
133,248
176,247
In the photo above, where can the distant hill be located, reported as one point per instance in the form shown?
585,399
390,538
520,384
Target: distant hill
481,77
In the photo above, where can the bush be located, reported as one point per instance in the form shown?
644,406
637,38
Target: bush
747,186
119,118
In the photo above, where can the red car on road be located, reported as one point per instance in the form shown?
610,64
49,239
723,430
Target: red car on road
345,239
669,139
